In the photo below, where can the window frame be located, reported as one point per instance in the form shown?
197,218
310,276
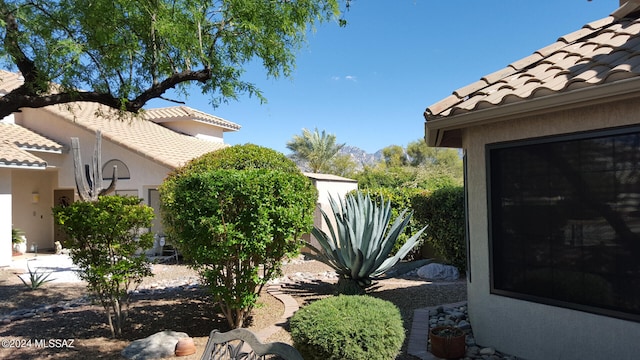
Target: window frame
552,139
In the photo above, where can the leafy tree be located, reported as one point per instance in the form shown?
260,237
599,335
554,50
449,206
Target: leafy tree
380,175
418,152
394,155
342,165
125,53
418,167
423,155
236,213
104,238
315,149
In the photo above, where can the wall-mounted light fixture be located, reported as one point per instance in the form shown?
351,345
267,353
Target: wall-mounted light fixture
35,197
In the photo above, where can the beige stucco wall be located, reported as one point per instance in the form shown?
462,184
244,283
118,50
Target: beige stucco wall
33,215
144,172
36,219
5,217
327,188
530,330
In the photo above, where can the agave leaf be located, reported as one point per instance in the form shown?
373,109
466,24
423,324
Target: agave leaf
402,252
333,241
357,265
382,222
326,243
321,256
371,229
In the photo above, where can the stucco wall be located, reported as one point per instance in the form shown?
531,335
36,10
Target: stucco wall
530,330
36,219
144,172
33,215
326,188
5,217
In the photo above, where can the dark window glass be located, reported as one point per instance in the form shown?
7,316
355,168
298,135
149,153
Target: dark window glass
565,221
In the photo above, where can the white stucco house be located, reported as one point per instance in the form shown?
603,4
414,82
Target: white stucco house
36,165
552,166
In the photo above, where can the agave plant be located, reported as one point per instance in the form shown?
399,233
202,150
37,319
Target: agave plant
358,246
36,278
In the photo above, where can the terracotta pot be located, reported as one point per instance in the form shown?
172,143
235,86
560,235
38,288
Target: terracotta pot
185,346
450,346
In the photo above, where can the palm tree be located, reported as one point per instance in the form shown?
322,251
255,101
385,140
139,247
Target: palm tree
314,148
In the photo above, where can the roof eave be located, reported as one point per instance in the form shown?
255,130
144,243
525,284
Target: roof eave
445,131
41,149
222,124
27,166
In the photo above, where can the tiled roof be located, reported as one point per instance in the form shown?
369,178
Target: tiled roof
16,142
602,52
141,136
186,113
9,81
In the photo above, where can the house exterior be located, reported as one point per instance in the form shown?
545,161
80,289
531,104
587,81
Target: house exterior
328,186
36,165
552,167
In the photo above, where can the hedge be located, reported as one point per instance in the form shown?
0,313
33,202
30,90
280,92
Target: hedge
443,211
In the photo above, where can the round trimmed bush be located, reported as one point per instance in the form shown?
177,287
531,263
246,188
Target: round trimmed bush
235,214
348,328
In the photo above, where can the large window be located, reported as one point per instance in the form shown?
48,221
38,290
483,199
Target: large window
564,220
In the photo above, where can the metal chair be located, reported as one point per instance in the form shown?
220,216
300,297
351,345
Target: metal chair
242,344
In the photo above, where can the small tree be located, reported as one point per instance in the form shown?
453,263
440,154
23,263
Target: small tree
236,213
104,238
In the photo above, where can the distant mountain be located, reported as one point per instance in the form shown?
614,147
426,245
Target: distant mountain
360,156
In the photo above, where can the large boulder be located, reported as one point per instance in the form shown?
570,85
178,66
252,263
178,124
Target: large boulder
439,272
156,346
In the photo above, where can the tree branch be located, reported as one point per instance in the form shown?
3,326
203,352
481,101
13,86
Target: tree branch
25,97
12,46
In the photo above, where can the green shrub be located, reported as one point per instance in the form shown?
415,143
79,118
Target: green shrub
382,176
240,157
236,213
348,328
443,211
104,238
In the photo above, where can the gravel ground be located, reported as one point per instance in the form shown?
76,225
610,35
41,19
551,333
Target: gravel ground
408,293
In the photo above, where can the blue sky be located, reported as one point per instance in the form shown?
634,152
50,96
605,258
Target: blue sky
370,82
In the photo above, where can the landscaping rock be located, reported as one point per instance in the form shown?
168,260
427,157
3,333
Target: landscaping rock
439,272
156,346
487,351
